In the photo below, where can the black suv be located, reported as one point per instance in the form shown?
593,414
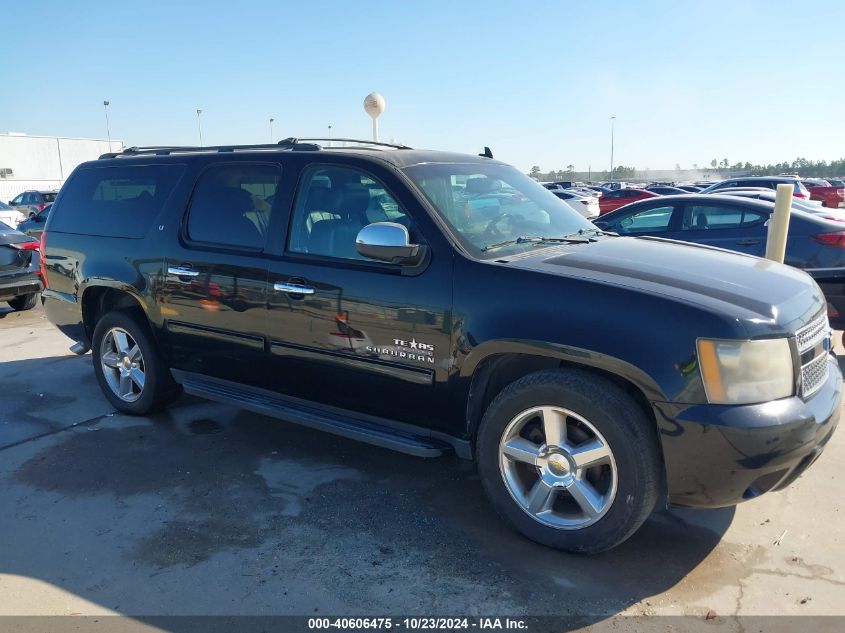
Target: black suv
428,302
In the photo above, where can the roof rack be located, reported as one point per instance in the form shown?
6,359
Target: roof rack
165,150
291,144
293,141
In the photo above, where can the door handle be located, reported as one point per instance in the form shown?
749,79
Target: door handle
293,289
748,242
182,271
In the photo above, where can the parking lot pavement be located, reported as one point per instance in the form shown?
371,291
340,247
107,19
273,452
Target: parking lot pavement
205,509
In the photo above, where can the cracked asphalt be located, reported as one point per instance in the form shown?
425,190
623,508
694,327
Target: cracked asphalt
205,509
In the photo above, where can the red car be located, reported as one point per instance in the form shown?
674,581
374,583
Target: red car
822,190
619,198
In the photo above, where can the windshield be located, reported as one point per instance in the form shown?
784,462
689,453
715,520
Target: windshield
493,208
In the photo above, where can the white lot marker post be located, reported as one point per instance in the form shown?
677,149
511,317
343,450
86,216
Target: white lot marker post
779,224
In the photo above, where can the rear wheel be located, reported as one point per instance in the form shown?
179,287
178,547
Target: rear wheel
24,302
570,460
129,366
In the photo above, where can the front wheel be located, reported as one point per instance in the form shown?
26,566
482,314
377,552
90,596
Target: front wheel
569,460
130,369
24,302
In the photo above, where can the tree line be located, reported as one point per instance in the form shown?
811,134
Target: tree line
800,166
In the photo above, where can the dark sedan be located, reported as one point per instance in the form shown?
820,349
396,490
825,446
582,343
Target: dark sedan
815,244
20,278
34,224
666,190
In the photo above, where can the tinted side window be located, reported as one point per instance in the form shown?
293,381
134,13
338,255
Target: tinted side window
650,220
115,201
48,197
231,205
332,205
701,217
753,218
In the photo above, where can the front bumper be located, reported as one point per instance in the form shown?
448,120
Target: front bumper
720,455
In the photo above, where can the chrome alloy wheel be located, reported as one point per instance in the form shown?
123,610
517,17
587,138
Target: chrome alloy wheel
122,364
558,467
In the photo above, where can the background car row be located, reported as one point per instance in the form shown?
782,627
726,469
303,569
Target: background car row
829,193
815,242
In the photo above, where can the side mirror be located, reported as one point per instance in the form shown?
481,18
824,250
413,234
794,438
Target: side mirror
388,242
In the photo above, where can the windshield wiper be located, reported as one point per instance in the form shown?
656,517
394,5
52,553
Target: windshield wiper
594,230
522,239
574,238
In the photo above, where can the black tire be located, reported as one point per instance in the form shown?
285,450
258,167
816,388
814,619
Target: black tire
24,302
159,388
630,435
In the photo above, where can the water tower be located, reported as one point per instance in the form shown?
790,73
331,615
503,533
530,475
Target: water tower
374,105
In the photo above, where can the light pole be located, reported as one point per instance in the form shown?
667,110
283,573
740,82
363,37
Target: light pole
271,128
108,130
199,124
612,125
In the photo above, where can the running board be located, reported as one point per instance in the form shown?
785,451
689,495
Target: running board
339,422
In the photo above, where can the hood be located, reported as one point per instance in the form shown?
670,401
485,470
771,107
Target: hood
741,286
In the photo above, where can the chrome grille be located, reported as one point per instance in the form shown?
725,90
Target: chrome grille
810,335
814,374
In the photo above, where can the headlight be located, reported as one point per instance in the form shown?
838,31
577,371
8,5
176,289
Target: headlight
746,372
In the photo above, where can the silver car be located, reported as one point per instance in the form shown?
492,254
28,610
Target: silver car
29,203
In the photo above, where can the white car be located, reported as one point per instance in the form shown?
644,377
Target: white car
10,216
588,206
584,191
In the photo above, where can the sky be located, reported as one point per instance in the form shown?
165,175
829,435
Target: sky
757,80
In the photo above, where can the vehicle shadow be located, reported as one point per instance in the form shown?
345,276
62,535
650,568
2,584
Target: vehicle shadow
138,515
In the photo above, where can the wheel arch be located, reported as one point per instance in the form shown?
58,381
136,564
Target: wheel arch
500,363
99,299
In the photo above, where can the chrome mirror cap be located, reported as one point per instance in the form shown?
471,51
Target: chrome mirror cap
387,242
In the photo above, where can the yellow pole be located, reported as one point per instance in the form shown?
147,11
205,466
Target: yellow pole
779,224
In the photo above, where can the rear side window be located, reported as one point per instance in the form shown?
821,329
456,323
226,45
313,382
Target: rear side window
231,205
704,217
48,197
115,201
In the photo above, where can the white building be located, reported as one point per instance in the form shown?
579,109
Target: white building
43,162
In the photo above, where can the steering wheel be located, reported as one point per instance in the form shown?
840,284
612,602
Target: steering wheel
491,231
